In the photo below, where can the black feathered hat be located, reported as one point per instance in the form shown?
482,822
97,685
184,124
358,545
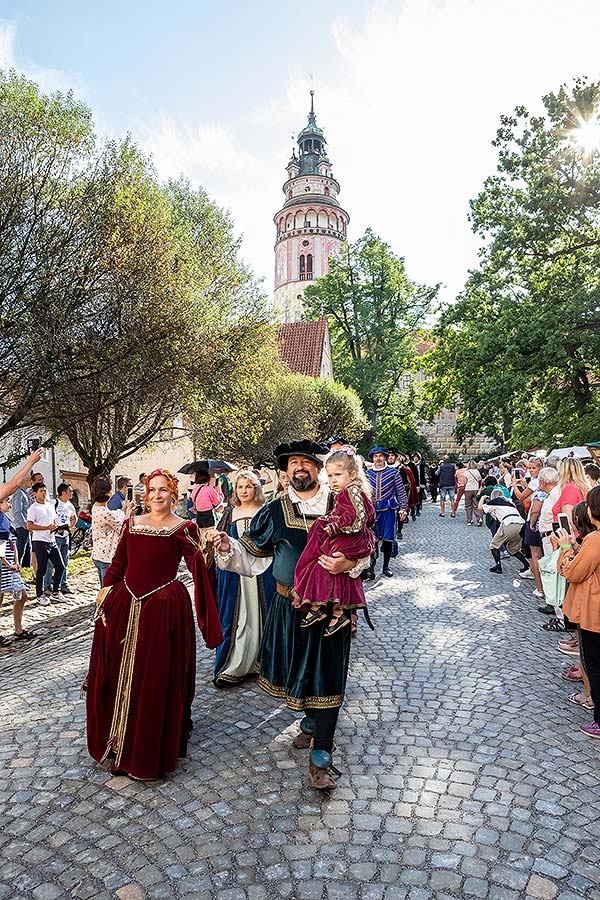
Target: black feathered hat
306,448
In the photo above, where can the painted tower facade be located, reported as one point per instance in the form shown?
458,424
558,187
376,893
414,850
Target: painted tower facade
311,225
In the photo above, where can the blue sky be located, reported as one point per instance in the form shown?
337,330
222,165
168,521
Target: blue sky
409,93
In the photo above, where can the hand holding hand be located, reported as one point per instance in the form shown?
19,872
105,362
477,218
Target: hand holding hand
219,540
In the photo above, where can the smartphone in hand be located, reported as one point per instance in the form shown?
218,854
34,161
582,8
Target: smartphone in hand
563,522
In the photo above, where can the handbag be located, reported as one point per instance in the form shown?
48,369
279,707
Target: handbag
555,585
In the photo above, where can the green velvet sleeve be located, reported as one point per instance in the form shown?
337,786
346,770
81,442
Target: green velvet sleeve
258,540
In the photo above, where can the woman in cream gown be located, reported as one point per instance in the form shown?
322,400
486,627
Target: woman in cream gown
243,601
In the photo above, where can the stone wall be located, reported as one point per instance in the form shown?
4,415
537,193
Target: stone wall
440,434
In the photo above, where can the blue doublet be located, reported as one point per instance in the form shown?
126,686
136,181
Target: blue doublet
389,496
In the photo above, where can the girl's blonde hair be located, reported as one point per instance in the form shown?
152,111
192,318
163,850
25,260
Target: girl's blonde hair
571,470
259,494
352,462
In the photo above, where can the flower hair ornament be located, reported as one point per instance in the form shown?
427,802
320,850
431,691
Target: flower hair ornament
172,482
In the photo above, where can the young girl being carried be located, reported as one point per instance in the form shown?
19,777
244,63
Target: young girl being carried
347,529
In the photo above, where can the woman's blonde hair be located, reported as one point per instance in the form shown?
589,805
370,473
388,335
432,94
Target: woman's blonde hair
349,460
571,470
249,475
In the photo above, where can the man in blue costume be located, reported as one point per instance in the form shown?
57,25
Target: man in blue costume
295,664
389,497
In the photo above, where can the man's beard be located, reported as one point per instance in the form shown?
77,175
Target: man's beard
303,482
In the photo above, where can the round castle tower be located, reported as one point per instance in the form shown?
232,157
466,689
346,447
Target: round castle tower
311,225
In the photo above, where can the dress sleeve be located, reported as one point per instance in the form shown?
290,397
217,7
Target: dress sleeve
116,570
252,554
204,598
576,568
401,491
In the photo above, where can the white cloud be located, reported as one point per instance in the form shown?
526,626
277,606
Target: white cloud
7,39
410,103
48,79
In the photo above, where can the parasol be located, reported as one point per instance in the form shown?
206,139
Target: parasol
213,465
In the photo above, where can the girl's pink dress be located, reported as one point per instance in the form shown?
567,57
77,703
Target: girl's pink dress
347,529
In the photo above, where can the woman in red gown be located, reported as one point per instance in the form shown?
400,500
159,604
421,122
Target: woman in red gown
141,679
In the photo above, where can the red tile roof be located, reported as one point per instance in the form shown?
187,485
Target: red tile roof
301,346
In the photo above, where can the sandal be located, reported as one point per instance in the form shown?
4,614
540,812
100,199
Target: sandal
312,617
571,676
584,701
24,635
340,622
554,624
4,641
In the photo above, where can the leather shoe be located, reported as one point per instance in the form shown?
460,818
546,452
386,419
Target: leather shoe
387,572
547,609
368,575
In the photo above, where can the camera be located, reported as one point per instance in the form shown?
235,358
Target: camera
33,444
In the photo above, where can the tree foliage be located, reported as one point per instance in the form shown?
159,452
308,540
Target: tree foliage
121,299
268,410
521,346
374,310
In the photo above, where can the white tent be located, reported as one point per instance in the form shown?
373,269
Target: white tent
574,452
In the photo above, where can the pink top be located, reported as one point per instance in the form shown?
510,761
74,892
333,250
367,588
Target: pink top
206,497
570,496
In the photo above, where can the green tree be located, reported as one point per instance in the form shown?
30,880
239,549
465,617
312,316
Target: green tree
268,410
521,346
163,324
373,309
46,146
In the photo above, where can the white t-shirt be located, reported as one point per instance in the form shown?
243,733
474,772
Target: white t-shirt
64,513
472,479
546,516
42,514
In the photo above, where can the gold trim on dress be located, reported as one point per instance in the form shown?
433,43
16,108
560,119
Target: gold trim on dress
253,548
295,518
118,727
100,598
154,532
299,703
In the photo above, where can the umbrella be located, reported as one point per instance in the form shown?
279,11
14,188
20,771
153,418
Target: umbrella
213,465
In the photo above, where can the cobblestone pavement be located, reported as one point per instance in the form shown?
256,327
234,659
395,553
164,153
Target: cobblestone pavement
464,772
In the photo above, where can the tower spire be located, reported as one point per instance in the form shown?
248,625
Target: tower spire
312,119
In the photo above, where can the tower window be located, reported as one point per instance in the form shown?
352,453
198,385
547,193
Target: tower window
327,192
303,267
309,267
289,195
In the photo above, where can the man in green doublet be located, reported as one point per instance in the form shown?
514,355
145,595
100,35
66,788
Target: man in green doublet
295,663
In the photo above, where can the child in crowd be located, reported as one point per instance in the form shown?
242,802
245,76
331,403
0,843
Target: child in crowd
346,530
10,577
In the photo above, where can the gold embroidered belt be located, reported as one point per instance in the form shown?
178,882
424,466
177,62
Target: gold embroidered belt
285,590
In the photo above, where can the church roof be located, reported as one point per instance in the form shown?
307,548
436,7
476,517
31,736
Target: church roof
301,346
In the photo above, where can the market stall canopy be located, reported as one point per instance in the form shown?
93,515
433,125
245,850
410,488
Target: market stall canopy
571,452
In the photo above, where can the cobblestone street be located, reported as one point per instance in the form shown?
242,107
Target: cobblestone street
464,773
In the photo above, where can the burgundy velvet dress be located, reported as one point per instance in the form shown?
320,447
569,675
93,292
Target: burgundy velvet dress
346,529
141,679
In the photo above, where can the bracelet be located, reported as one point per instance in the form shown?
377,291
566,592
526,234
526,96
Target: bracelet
566,547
